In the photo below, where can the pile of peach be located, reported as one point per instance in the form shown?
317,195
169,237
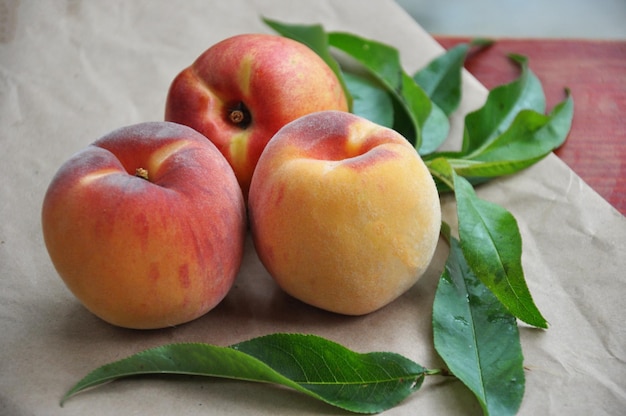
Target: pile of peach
146,225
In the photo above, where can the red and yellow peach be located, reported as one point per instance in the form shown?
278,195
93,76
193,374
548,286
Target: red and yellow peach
243,89
343,212
146,225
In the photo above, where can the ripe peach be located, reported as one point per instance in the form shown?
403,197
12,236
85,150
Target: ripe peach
243,89
343,212
146,225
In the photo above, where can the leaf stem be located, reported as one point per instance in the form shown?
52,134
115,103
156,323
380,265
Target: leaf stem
443,372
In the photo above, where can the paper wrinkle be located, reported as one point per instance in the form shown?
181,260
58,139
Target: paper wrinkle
11,108
73,71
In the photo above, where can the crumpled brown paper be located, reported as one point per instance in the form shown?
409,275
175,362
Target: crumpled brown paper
71,71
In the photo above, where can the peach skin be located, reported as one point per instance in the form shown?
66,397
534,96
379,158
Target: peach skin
240,91
146,225
344,214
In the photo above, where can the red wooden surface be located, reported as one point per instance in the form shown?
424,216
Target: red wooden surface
595,73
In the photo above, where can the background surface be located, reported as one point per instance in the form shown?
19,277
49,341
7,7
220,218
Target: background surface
590,19
71,71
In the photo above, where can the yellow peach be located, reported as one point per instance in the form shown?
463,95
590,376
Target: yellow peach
343,212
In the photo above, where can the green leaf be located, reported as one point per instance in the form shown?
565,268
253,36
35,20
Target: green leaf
492,246
322,369
441,78
316,38
434,131
417,106
383,62
370,100
412,113
477,337
441,170
502,106
530,138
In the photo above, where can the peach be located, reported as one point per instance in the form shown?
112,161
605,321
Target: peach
344,214
244,88
146,225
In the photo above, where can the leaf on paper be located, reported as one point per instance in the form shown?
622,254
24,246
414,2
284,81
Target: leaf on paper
322,369
492,246
477,337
